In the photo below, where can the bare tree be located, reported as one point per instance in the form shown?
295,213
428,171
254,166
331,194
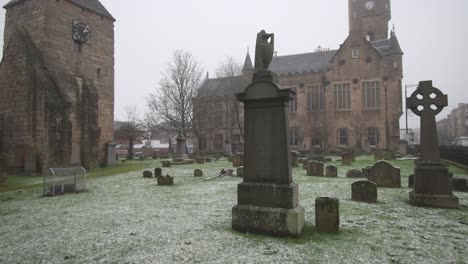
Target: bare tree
172,104
132,129
231,71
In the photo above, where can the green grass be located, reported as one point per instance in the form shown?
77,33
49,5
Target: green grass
129,219
17,182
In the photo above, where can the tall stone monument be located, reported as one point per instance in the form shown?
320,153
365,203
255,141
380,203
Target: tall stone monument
268,201
432,181
181,148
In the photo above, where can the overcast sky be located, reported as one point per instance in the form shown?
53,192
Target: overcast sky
432,33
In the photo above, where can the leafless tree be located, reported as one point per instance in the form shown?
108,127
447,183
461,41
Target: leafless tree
231,72
132,129
171,104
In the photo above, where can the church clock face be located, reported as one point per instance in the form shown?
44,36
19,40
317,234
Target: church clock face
369,5
81,32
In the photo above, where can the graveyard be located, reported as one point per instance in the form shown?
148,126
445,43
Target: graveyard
125,218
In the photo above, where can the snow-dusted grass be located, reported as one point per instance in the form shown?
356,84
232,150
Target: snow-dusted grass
129,219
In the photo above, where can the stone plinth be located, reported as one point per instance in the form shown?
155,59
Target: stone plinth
267,197
181,149
364,191
327,214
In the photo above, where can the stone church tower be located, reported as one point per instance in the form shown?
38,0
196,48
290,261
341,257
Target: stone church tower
369,18
56,84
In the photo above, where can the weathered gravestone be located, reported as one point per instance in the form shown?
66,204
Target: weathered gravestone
364,191
411,181
432,181
166,164
268,200
331,171
305,164
165,180
240,172
157,172
327,214
385,174
354,173
460,184
294,158
198,173
238,160
200,161
346,159
366,171
315,168
147,174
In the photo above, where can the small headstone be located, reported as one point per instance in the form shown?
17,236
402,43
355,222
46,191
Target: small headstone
229,172
411,181
364,191
165,180
315,168
157,172
166,164
294,158
354,173
366,172
460,184
200,161
147,174
328,159
240,172
154,155
238,160
327,214
305,164
207,160
198,173
331,171
385,174
346,159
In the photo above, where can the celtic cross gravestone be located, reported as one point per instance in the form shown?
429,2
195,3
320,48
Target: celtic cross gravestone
432,181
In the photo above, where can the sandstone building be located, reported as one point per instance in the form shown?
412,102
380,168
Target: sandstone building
453,130
346,98
56,84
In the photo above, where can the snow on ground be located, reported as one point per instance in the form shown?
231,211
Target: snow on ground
129,219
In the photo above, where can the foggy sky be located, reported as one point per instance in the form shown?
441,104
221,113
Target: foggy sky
432,33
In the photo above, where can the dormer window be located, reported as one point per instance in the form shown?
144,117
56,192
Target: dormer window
355,53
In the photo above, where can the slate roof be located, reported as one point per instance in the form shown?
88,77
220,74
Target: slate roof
382,46
93,5
306,62
222,86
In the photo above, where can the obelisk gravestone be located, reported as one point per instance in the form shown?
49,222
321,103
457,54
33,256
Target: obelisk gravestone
268,201
432,181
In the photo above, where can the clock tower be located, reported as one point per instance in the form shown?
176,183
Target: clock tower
56,84
369,18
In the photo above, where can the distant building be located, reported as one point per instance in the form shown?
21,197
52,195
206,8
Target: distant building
346,98
453,130
56,84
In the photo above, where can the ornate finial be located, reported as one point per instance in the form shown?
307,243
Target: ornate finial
264,51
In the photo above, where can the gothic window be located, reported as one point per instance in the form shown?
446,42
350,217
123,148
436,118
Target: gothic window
294,136
373,136
293,103
371,95
218,141
342,96
218,118
316,98
355,53
342,137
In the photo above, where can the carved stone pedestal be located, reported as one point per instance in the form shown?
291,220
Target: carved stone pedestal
433,186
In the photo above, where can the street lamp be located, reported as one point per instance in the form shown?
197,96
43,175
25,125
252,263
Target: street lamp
406,108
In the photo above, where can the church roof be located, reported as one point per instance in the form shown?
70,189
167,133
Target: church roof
307,62
93,5
222,86
248,63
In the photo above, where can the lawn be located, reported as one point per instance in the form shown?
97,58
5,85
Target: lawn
129,219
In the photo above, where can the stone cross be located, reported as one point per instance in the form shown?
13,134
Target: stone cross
426,102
